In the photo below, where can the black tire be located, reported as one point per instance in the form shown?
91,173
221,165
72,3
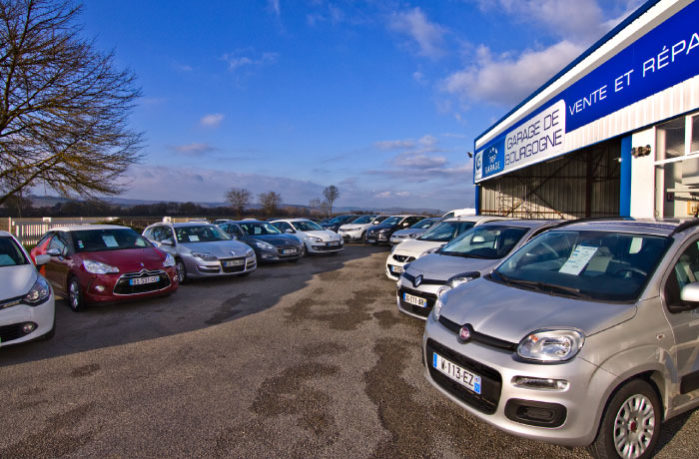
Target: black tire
631,420
76,301
181,271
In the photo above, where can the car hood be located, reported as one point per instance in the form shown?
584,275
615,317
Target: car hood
220,249
325,235
128,260
415,248
16,280
276,239
511,313
380,227
408,232
354,226
443,267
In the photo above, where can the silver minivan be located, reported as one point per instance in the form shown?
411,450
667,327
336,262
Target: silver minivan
587,335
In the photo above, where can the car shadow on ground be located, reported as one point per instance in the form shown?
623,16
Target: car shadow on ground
196,305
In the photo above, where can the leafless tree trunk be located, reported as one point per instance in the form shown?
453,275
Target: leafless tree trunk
63,105
331,193
239,199
270,202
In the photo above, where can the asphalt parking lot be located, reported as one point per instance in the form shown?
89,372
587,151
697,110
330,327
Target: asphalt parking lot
307,359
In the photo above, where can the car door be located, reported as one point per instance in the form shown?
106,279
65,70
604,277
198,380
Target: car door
684,321
58,269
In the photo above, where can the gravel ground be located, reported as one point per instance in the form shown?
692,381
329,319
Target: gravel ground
307,359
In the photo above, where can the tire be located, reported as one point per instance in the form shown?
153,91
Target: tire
631,420
75,295
181,271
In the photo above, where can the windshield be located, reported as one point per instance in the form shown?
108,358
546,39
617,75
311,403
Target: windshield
423,224
10,253
306,225
391,221
363,219
99,240
259,229
445,231
489,242
599,265
200,233
380,219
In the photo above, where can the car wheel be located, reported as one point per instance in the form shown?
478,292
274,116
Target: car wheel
181,271
75,295
630,427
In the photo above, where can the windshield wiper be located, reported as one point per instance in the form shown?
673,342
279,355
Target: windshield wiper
543,286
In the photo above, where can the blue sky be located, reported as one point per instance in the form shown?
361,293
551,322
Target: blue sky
381,98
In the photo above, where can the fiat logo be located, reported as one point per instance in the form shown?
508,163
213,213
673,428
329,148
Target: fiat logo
417,281
465,333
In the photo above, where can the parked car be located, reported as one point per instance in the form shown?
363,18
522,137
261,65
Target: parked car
356,229
202,250
316,239
27,305
587,335
414,231
465,212
104,264
474,253
267,241
381,233
334,223
430,242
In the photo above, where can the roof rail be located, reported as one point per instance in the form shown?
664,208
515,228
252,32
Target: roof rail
590,219
685,225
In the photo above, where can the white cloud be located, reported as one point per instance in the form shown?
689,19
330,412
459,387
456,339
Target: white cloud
236,60
427,35
506,79
394,144
194,149
274,7
211,120
418,161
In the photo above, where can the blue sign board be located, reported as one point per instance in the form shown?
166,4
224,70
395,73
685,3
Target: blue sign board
665,56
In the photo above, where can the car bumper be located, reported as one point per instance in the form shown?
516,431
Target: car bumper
198,269
571,414
394,267
352,235
427,292
112,288
378,238
317,247
279,254
13,318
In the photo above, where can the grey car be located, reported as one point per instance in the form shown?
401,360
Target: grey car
473,253
414,231
268,242
202,250
587,335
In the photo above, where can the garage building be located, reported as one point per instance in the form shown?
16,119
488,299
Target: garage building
615,133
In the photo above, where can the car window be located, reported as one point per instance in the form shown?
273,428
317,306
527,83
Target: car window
200,233
363,219
412,220
283,226
423,224
98,240
259,229
391,221
307,225
59,244
598,265
445,231
685,271
490,242
10,253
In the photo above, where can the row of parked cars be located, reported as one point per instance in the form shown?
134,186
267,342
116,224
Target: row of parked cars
109,263
573,332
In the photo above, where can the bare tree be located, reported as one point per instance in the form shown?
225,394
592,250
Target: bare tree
318,206
239,199
270,202
63,105
331,193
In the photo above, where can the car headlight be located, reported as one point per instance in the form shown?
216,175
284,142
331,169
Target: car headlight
451,284
96,267
38,294
250,254
315,239
204,256
169,261
439,302
551,346
264,245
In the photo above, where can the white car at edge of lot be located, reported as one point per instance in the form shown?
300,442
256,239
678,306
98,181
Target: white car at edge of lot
356,229
314,237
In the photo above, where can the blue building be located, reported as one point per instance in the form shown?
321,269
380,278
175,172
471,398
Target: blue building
615,133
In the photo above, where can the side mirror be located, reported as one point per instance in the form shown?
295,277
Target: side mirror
42,259
54,252
690,294
169,242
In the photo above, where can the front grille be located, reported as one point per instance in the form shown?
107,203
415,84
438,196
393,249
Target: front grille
491,380
411,279
11,332
403,258
424,312
233,269
481,338
124,287
324,247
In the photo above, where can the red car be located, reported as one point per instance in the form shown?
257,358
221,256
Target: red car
104,263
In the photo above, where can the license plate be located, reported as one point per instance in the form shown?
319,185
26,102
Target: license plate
456,373
372,240
144,280
414,300
396,269
333,244
288,251
231,263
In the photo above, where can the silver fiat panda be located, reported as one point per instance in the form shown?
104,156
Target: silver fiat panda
587,335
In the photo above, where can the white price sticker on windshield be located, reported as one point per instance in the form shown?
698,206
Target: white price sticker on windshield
577,261
109,241
193,238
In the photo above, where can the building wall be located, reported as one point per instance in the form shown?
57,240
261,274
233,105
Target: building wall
643,176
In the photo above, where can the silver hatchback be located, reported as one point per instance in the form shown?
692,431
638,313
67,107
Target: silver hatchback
587,335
